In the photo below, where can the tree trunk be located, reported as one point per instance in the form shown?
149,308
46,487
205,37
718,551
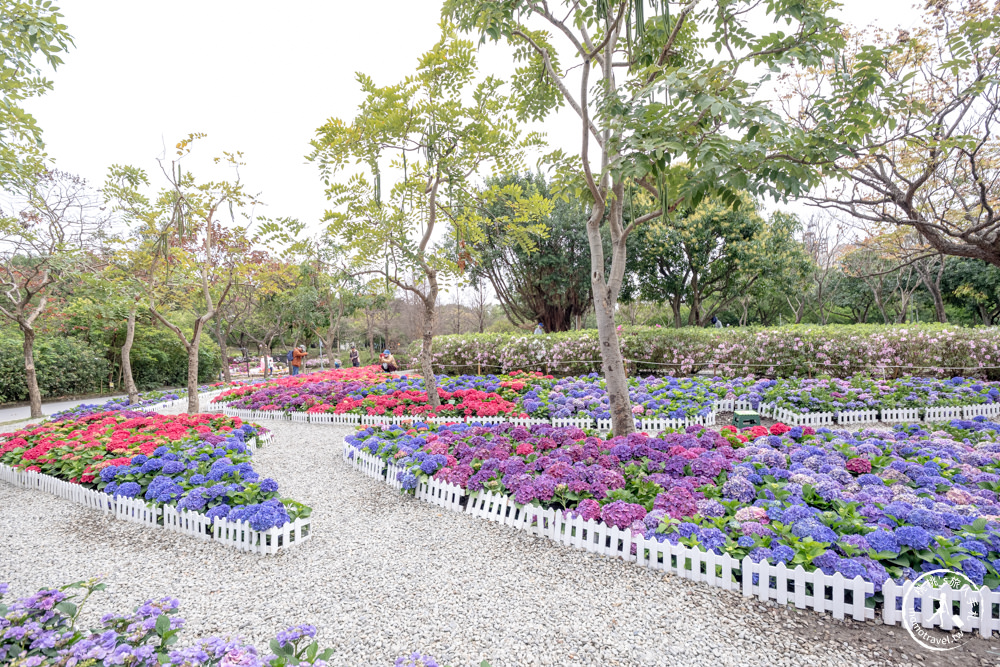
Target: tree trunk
133,393
675,308
605,299
694,317
30,377
194,406
984,313
612,364
427,341
933,285
224,349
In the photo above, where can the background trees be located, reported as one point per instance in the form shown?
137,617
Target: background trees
550,283
917,112
658,109
440,127
43,241
186,257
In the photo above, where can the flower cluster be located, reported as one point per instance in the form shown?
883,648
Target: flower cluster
876,504
194,462
42,629
367,391
863,393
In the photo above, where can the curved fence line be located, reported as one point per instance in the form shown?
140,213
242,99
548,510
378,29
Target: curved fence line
232,534
814,590
931,414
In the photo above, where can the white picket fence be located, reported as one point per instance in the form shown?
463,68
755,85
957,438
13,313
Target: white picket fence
900,415
940,607
814,590
814,419
203,400
650,425
943,414
233,534
988,410
857,417
806,590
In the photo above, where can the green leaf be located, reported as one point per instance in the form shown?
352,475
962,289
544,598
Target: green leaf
67,608
162,624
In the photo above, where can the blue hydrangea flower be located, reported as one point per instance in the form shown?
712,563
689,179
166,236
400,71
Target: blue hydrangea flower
129,490
881,540
914,537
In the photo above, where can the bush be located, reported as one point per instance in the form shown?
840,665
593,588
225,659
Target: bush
160,360
800,350
65,366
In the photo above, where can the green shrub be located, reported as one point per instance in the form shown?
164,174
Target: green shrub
800,350
65,367
160,360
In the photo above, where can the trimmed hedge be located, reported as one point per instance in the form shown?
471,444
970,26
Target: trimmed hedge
159,359
65,366
799,350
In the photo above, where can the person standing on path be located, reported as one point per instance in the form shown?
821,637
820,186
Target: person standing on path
298,354
355,356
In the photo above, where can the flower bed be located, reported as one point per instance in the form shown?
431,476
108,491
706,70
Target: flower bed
863,393
873,505
661,401
301,392
199,463
42,629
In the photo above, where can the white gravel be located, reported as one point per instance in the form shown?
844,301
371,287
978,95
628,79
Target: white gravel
384,575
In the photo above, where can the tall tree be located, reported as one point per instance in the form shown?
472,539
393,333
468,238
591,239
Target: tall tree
43,240
440,128
918,112
30,34
709,256
549,284
974,286
189,259
670,103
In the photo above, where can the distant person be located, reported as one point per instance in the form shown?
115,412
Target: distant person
336,363
540,329
298,355
716,322
289,357
388,362
355,356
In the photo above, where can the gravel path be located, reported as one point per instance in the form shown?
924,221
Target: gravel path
385,575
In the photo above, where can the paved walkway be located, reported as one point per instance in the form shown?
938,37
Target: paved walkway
20,412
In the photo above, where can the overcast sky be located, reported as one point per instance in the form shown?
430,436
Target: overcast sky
257,77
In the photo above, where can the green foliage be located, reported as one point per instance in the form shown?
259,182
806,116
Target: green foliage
973,286
440,128
65,367
30,34
710,255
549,284
160,360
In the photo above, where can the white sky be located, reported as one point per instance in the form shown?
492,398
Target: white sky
259,77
